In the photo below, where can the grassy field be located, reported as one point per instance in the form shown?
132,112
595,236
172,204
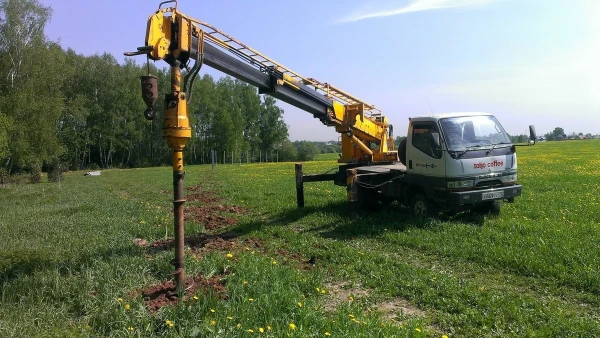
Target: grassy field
68,266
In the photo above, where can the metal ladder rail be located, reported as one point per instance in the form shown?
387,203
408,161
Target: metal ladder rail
265,64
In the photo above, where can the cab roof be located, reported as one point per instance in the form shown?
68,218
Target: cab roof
435,117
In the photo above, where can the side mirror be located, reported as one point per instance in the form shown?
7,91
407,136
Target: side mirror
532,135
435,138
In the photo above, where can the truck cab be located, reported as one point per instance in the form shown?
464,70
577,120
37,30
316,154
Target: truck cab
458,161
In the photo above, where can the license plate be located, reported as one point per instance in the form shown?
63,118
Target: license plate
492,195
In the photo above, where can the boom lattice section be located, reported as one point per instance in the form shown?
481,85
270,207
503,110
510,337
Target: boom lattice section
265,64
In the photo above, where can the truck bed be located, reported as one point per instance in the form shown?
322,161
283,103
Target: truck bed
382,169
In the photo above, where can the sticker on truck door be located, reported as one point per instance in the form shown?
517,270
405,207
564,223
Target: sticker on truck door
485,164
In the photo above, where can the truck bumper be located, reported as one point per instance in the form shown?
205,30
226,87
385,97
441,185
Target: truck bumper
481,196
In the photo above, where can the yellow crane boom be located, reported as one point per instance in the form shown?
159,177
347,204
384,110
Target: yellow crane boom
365,132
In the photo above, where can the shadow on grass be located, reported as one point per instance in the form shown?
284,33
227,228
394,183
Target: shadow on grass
26,262
343,220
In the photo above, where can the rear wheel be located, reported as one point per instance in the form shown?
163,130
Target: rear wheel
421,206
367,198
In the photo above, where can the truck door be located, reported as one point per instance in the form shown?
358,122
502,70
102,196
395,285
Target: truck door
422,155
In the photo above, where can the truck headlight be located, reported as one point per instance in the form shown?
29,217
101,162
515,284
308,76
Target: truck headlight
460,184
509,178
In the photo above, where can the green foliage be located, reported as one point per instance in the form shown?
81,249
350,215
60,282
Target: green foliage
29,86
306,150
91,115
5,131
272,128
557,134
287,151
397,140
519,138
56,170
35,174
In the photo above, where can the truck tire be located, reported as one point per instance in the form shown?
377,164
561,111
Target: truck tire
367,199
492,208
402,151
421,207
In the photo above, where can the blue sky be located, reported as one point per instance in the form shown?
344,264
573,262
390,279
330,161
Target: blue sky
526,61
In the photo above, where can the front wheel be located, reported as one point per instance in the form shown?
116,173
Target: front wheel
492,208
421,206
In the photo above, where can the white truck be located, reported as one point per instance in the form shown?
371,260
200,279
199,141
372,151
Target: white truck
448,163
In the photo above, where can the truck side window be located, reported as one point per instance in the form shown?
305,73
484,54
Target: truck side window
421,139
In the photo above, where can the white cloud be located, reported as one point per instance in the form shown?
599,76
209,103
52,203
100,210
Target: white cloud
414,6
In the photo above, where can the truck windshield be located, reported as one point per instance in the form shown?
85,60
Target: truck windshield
473,131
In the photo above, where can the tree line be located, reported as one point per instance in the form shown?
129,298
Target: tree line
87,112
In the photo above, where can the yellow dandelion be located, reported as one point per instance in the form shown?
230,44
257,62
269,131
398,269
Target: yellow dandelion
350,315
229,317
229,255
268,328
245,282
212,322
350,298
169,323
444,336
417,329
196,297
250,300
250,330
327,334
261,330
119,299
323,291
127,307
292,326
212,310
130,328
318,290
299,304
238,325
274,262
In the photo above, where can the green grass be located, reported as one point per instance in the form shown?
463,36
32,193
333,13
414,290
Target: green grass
333,157
66,257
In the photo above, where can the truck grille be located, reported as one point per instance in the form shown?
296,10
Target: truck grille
489,184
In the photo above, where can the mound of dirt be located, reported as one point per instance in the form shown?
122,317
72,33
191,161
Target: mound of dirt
157,296
209,216
206,208
202,195
195,242
221,242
